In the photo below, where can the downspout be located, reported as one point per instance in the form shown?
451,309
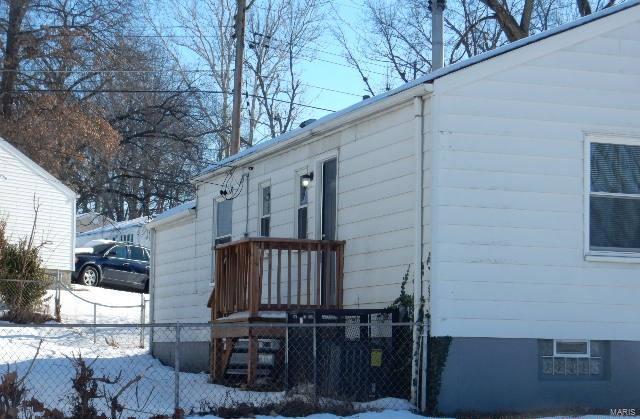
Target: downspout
152,286
246,215
418,118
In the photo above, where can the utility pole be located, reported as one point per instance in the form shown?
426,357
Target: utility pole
234,146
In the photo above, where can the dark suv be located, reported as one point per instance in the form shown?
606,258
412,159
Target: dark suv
114,263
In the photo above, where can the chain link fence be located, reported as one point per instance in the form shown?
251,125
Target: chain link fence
53,299
301,368
29,300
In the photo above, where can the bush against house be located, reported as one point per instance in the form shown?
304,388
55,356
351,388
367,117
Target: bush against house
23,280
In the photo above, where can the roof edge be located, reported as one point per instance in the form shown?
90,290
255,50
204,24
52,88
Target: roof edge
476,59
322,125
39,170
288,137
173,214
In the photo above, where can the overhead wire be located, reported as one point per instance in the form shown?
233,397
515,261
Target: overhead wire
73,90
153,71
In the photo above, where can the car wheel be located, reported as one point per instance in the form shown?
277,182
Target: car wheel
89,276
146,287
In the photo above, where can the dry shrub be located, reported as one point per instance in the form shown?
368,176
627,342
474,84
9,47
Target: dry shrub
23,280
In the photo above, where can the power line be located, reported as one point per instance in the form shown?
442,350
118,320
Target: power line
162,91
328,89
378,63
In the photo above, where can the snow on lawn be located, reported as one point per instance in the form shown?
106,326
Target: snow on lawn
76,307
50,377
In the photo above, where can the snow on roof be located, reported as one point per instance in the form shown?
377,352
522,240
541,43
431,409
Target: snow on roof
37,169
171,212
427,78
113,226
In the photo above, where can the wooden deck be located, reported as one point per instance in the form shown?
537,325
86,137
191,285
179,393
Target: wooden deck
256,278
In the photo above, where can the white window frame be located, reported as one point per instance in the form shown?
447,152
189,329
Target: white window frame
261,187
565,355
603,255
296,200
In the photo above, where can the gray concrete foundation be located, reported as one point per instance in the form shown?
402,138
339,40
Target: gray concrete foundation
504,375
194,356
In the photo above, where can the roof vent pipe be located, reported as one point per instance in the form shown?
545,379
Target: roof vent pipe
437,33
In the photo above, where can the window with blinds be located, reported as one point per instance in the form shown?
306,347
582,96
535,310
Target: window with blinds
614,197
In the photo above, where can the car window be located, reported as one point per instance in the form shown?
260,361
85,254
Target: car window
119,252
101,248
138,253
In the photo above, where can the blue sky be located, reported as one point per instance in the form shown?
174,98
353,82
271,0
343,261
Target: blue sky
330,69
330,81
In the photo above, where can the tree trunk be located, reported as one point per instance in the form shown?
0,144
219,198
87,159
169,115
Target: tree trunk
17,10
584,7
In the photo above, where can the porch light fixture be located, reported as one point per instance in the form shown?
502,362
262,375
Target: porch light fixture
306,179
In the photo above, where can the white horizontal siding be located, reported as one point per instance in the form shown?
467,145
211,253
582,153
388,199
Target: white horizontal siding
178,293
510,259
376,167
21,190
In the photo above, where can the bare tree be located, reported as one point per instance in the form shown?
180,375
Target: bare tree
400,36
278,33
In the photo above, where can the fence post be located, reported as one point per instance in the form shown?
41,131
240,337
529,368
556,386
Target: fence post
142,320
315,365
286,357
95,321
57,308
176,367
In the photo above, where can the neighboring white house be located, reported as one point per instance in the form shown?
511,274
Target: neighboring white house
25,186
130,231
511,179
91,220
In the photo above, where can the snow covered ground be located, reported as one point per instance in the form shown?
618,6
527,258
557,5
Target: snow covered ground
116,352
385,414
76,305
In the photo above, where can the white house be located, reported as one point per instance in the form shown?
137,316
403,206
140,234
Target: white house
130,231
25,186
91,220
511,179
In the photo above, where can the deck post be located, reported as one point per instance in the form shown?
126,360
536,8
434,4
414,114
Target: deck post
252,359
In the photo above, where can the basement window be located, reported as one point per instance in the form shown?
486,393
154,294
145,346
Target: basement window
572,358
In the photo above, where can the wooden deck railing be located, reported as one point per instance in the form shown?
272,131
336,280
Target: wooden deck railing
263,274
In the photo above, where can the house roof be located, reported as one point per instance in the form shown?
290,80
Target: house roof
37,169
113,226
427,78
173,214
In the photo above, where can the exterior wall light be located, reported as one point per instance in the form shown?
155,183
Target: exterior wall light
306,179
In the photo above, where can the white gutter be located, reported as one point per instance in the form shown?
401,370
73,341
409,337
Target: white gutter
324,126
153,224
418,115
